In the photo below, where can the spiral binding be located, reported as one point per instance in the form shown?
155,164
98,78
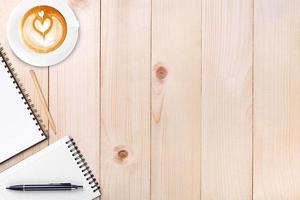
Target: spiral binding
83,165
24,95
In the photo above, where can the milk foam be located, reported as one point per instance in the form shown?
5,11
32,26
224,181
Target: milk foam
43,29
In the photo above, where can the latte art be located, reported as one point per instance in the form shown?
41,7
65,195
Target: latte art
43,29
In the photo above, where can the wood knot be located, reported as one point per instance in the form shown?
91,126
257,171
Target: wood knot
122,154
78,3
161,72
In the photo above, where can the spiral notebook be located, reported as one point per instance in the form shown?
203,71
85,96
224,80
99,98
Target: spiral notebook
60,162
20,127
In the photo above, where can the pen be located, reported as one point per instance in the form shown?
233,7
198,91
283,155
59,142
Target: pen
45,187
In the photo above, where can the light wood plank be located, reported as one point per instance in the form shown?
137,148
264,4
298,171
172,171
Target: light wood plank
176,100
22,69
74,95
227,100
125,95
276,100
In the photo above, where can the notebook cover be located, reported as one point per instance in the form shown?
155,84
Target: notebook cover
20,127
60,162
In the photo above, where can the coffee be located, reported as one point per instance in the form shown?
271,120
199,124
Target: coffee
43,29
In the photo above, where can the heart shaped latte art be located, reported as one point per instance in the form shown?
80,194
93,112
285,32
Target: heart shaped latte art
42,26
43,29
41,14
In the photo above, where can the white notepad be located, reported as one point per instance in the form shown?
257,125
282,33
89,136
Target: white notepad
61,162
19,126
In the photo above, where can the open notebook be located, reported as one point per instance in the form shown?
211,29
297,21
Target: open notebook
61,162
19,126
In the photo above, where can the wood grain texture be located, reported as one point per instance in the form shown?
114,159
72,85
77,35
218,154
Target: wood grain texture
125,99
276,100
172,99
176,100
22,69
227,100
74,95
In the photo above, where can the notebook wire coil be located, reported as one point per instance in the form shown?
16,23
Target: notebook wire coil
83,165
24,96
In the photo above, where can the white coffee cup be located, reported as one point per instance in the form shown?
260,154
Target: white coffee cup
42,59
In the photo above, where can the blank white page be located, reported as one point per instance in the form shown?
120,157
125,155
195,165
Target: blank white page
18,129
54,164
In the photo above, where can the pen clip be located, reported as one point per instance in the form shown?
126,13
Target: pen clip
62,184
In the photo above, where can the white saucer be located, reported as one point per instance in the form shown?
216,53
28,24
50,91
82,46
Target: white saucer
28,55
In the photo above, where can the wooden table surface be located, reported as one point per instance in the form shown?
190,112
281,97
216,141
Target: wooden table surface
180,99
